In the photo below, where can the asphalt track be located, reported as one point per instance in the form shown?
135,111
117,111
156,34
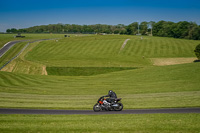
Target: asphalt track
91,112
7,46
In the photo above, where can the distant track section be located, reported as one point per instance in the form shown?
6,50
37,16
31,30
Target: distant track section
7,46
91,112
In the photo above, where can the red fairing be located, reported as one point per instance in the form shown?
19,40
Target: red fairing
100,102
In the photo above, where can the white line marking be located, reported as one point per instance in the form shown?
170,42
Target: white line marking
123,45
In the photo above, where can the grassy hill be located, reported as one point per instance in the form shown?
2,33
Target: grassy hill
81,52
153,87
105,51
82,68
86,51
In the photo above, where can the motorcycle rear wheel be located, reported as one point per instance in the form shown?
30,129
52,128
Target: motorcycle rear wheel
96,107
119,108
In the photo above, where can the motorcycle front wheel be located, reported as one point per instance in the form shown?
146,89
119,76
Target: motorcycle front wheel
119,108
96,107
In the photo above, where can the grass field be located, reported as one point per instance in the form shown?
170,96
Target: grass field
151,89
103,51
82,68
155,123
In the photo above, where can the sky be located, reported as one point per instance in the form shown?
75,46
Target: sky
27,13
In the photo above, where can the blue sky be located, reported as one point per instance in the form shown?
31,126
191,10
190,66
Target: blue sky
27,13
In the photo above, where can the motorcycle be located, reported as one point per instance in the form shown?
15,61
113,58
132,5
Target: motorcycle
103,105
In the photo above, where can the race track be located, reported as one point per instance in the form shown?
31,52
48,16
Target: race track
7,46
91,112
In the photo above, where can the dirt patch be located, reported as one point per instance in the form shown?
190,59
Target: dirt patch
44,71
123,45
9,67
171,61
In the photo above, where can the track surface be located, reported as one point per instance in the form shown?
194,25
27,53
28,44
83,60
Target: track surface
6,47
91,112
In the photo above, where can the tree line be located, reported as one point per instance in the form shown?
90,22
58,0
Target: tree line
182,29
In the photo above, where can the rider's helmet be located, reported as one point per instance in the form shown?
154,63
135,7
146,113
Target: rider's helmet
110,92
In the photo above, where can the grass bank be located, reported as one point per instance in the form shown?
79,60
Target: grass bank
152,87
151,123
147,87
83,71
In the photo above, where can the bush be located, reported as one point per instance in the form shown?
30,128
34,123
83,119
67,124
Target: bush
197,51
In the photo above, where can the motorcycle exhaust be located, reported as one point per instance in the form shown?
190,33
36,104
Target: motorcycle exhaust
115,105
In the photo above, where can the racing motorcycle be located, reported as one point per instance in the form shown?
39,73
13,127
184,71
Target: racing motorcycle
103,105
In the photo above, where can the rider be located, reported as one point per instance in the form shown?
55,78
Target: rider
112,96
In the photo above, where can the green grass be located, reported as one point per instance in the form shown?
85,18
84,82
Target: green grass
4,38
151,123
92,64
153,87
83,71
12,53
20,63
86,51
94,51
159,47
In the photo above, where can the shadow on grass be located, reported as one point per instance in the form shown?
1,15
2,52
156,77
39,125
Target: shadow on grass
197,61
84,71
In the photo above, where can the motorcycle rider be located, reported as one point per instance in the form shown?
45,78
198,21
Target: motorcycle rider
112,96
108,102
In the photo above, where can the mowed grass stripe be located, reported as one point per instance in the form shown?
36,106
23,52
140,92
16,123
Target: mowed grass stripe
144,49
84,71
173,43
129,48
81,48
58,49
148,48
77,47
185,50
9,79
176,49
86,49
6,79
157,79
108,45
181,80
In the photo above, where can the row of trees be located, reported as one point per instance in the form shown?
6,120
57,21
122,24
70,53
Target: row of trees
182,29
73,28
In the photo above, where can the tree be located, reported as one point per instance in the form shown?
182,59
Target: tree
150,27
182,29
8,30
132,28
144,28
13,30
194,31
197,51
